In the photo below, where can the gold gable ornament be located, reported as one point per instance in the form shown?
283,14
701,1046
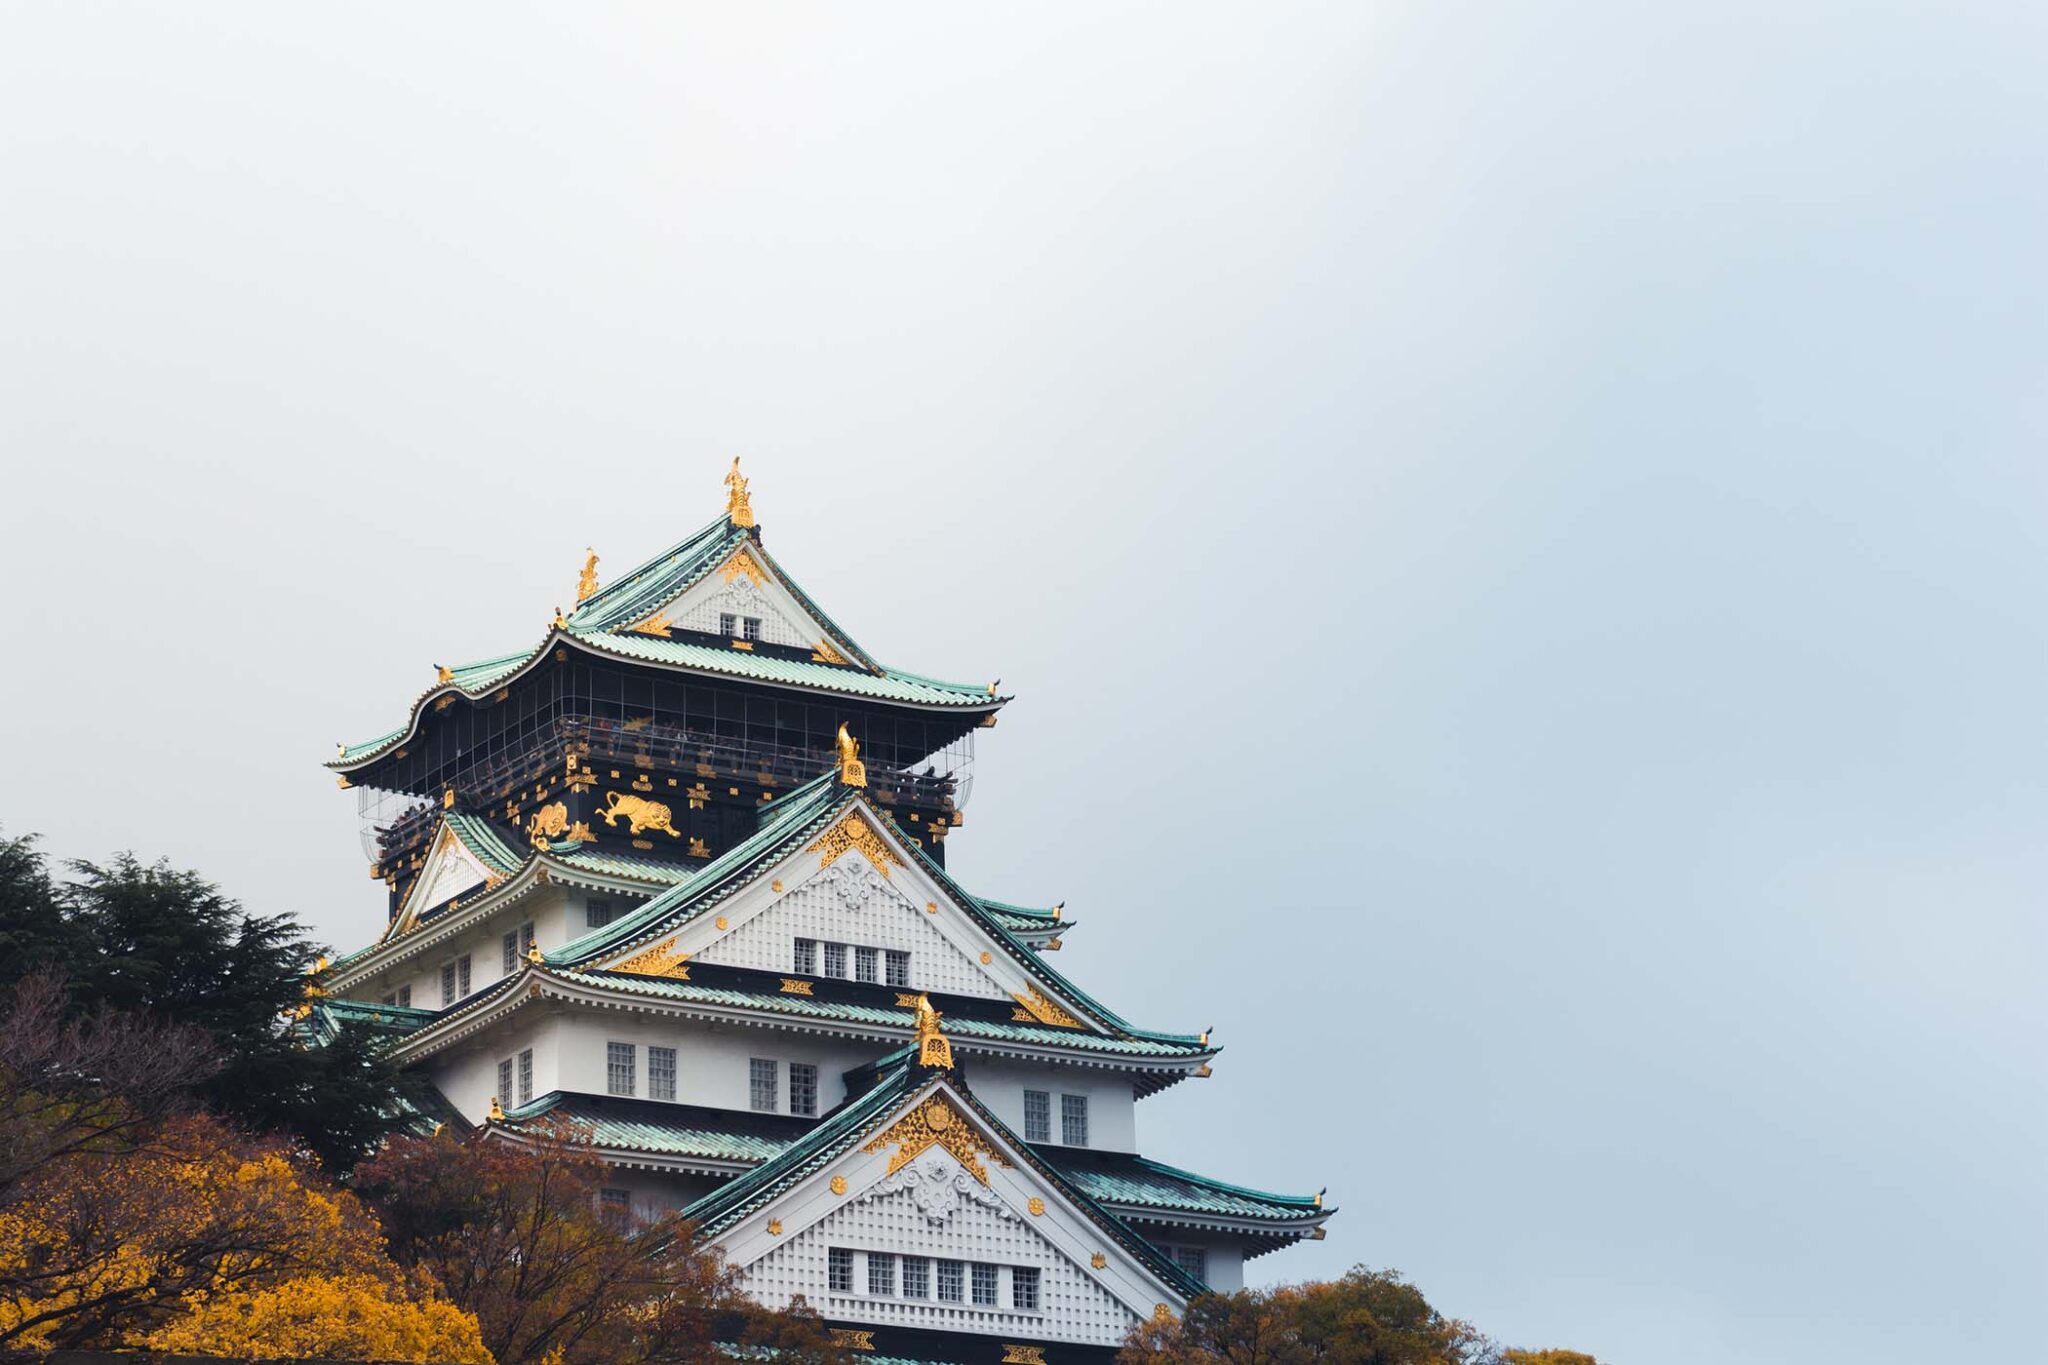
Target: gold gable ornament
936,1123
739,508
586,582
852,771
933,1048
856,835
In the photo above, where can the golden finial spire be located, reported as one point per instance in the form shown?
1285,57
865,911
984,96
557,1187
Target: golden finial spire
737,506
852,771
586,582
932,1048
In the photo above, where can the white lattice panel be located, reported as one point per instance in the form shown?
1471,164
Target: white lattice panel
1074,1307
849,902
743,597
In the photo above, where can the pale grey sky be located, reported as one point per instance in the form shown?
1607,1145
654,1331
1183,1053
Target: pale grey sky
1517,532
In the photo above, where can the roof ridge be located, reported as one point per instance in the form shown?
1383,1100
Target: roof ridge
620,589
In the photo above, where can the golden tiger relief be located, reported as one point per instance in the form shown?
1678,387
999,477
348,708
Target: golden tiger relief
638,812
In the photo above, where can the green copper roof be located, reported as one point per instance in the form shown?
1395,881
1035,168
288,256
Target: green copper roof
627,865
637,1126
485,842
1131,1181
770,1000
599,624
331,1013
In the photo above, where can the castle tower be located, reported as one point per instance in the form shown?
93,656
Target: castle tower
676,873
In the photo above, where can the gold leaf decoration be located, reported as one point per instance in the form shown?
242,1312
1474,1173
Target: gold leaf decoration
1023,1355
937,1123
742,563
1036,1007
853,1339
660,960
857,835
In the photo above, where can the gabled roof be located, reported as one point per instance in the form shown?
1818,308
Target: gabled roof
788,822
862,1118
656,1128
600,625
1152,1191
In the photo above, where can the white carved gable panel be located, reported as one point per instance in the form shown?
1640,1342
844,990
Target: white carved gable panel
850,902
451,870
781,623
934,1208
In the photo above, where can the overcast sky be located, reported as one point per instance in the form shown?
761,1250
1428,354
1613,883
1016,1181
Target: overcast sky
1517,532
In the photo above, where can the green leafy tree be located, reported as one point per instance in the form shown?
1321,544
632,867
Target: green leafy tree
1370,1317
147,940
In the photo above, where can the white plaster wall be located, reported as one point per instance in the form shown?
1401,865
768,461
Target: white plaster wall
849,902
712,1062
782,623
556,912
1112,1104
1225,1269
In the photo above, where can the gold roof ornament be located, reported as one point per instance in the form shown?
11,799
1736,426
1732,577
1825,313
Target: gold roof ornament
443,673
497,1114
586,582
852,771
933,1049
560,620
739,508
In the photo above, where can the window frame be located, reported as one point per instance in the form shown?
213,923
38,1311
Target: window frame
661,1072
764,1081
803,1089
617,1056
1038,1125
1073,1118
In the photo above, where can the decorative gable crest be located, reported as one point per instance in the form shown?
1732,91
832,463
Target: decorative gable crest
937,1122
856,834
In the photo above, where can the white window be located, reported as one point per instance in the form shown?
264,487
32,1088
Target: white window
619,1066
597,913
1037,1116
405,997
952,1281
728,624
803,1089
881,1273
917,1277
984,1284
864,965
526,1076
839,1270
511,963
1024,1287
447,983
462,975
835,959
750,627
1074,1120
504,1095
899,967
526,937
761,1078
806,963
661,1073
1194,1260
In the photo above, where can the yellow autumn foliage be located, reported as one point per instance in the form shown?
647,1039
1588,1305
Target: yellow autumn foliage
339,1317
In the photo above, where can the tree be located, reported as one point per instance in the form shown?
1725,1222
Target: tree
193,1229
517,1234
146,939
1370,1317
1553,1356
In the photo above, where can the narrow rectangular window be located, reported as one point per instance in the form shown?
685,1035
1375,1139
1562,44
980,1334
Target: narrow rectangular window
504,1095
619,1066
526,938
526,1076
864,965
462,975
1024,1287
405,997
1074,1120
803,1089
952,1276
761,1078
917,1277
839,1270
511,951
1194,1260
597,913
750,627
806,962
447,983
661,1073
1037,1116
984,1284
899,967
727,624
881,1273
615,1206
835,959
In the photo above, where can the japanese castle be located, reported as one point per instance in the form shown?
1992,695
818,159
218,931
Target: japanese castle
676,873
